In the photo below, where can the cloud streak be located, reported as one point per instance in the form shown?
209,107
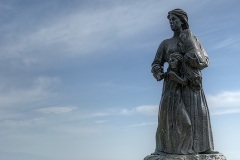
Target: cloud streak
228,43
142,124
41,89
224,103
144,109
148,109
80,32
56,110
75,34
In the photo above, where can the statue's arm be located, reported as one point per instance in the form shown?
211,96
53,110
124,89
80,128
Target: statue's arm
200,52
204,54
158,62
174,77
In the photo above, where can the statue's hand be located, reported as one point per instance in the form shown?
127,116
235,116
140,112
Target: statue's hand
194,62
190,60
159,76
172,75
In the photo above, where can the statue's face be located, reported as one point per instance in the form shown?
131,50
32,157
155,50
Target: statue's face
175,22
173,62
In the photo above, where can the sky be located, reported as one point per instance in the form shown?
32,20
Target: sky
76,82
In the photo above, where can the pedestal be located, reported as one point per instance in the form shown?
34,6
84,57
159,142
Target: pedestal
218,156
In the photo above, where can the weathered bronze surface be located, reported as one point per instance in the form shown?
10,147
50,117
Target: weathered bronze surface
184,128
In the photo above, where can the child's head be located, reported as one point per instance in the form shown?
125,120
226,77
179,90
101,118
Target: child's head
174,60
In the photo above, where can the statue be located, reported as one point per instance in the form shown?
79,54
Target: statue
184,128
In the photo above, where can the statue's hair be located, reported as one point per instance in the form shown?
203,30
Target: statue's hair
182,15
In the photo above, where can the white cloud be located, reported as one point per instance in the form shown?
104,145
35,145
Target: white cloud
78,33
15,123
148,109
143,124
126,112
82,32
100,121
231,41
224,103
41,89
56,110
144,109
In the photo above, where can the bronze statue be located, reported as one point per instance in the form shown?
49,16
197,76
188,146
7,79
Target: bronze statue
184,126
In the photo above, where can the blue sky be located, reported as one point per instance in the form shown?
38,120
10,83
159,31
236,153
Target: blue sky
75,76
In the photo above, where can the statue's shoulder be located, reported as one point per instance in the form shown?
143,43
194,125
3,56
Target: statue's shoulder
166,41
163,44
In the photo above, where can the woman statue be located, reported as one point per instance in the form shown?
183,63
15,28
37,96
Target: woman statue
183,122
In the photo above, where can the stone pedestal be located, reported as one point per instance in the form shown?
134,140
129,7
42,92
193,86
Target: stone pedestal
218,156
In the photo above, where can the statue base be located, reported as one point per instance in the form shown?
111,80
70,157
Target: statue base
218,156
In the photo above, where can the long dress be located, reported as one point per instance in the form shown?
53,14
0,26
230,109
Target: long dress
199,137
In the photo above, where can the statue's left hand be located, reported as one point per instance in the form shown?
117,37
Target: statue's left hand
190,60
172,75
194,62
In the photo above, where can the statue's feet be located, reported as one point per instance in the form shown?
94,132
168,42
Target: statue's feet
210,151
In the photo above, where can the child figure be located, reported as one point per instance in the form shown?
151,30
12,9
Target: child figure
175,126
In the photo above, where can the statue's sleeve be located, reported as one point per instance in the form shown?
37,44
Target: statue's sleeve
158,62
204,53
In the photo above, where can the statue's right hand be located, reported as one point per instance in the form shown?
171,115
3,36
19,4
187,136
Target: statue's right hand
159,76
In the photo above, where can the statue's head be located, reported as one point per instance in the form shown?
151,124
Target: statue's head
178,18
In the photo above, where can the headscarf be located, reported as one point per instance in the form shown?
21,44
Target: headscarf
182,15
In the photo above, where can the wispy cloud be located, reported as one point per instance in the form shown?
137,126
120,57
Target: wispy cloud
77,33
126,112
224,103
56,110
142,124
148,109
228,42
81,32
21,123
41,89
18,103
100,121
144,109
